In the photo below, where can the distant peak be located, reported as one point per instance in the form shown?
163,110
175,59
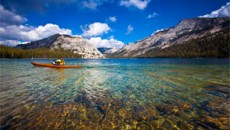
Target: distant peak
58,35
203,19
62,36
65,35
53,36
200,23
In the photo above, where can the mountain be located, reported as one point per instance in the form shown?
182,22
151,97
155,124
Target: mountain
59,42
111,50
103,49
195,31
107,51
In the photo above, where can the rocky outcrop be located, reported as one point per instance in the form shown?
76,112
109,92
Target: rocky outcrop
112,50
186,30
59,42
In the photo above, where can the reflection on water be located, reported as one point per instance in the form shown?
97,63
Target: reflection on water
116,94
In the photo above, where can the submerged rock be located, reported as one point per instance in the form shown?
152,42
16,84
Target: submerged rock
219,90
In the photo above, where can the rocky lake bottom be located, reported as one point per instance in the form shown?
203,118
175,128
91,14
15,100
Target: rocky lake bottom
117,94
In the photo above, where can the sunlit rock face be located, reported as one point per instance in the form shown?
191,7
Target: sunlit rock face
59,42
186,30
77,45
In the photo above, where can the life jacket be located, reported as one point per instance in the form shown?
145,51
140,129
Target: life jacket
59,62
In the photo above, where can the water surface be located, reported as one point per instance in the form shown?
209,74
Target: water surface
116,94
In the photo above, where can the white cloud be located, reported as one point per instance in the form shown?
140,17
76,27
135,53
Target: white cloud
95,29
113,19
91,4
129,29
30,33
224,11
108,43
12,31
153,15
10,18
11,42
48,30
140,4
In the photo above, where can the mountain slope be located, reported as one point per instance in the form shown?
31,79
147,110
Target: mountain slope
186,30
59,42
214,45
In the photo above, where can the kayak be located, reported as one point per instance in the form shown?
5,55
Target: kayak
55,66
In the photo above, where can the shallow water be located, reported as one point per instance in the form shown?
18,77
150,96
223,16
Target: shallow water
116,94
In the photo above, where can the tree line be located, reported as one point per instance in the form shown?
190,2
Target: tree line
11,52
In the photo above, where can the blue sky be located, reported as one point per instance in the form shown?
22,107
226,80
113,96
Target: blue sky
105,23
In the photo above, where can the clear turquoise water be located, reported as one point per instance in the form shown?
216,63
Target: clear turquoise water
116,94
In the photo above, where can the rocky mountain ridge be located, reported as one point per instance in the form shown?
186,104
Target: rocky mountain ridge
186,30
107,51
60,42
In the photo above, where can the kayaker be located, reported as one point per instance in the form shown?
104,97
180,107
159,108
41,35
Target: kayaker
59,62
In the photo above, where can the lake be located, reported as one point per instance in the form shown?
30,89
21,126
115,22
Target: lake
151,93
